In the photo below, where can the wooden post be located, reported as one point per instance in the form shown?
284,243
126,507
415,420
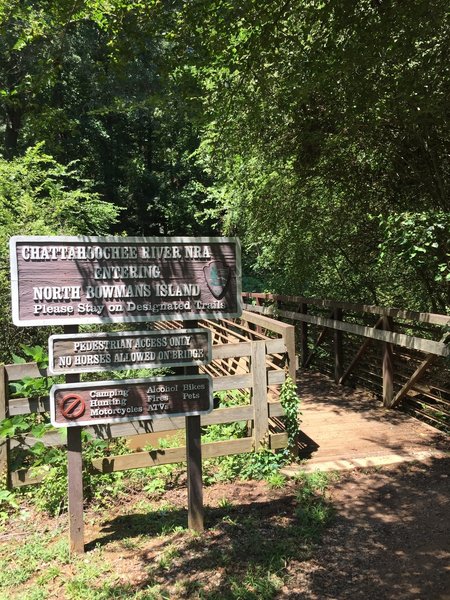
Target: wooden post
194,474
4,443
338,347
289,342
75,475
388,366
194,461
259,302
304,335
259,393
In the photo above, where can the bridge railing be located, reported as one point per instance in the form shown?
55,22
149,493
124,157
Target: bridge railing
401,355
244,361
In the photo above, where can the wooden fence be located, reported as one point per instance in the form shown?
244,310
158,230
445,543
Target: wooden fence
249,355
401,355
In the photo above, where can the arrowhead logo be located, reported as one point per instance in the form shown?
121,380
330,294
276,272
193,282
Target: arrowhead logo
217,277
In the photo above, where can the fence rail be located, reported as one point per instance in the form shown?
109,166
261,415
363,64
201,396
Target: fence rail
401,355
250,361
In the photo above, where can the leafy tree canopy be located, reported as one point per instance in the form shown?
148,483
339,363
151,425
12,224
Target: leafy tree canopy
327,133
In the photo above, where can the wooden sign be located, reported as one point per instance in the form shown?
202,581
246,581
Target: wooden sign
105,402
91,352
76,280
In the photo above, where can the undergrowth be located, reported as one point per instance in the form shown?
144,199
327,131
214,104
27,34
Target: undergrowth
50,463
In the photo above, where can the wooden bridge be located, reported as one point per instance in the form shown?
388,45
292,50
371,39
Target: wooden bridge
396,363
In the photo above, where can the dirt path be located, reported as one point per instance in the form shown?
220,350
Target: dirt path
387,540
390,538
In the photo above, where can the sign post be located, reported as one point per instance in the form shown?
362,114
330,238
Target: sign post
194,466
69,281
75,474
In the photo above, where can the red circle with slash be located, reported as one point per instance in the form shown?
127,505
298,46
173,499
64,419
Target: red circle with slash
72,406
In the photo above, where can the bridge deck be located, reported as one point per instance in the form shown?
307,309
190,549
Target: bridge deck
343,428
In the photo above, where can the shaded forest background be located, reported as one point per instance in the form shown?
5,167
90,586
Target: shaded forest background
316,131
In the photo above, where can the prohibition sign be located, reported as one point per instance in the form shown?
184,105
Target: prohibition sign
72,406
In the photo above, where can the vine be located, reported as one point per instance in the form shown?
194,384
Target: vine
290,402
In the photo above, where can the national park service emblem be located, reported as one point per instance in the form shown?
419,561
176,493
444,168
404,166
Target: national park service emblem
217,277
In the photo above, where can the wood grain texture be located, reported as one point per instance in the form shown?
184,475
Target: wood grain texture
412,315
399,339
259,393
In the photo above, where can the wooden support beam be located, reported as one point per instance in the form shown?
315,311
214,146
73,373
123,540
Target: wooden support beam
289,340
418,373
75,490
319,340
304,335
388,366
259,394
4,443
196,510
194,474
338,347
359,354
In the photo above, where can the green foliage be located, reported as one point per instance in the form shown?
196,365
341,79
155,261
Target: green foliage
29,557
317,115
314,510
51,495
8,503
417,243
290,402
39,196
31,387
276,480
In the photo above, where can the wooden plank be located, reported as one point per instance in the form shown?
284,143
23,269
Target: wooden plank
259,393
242,349
24,406
232,350
275,409
140,460
433,318
277,346
264,321
277,441
23,477
399,339
16,372
4,443
216,417
276,377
